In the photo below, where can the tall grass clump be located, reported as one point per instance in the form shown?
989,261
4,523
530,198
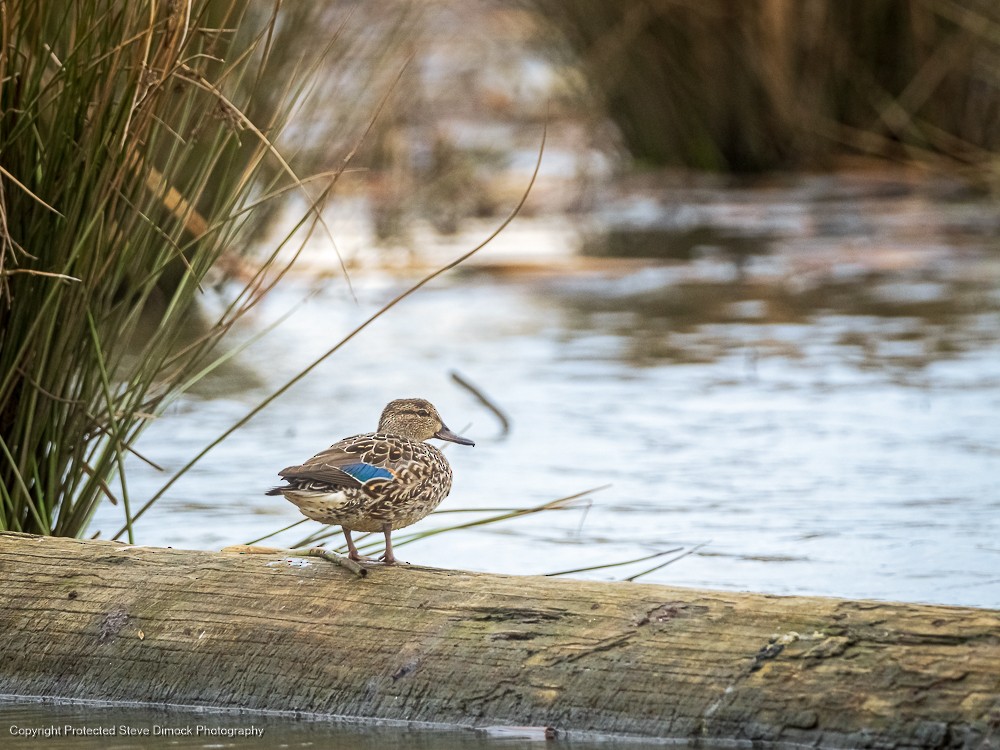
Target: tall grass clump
748,86
130,174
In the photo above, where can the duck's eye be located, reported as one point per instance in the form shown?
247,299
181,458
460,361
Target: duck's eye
423,413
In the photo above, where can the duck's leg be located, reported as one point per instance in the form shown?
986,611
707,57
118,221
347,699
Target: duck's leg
388,557
352,551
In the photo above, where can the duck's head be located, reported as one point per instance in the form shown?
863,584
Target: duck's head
416,419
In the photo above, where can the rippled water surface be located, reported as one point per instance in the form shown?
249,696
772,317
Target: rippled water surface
821,412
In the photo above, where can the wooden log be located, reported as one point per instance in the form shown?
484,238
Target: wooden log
112,622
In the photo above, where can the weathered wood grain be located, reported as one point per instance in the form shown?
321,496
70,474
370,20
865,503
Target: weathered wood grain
107,621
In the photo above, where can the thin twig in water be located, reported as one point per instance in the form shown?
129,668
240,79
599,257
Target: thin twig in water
482,398
583,516
671,560
616,564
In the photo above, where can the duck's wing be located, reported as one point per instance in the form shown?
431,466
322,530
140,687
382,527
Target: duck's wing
349,463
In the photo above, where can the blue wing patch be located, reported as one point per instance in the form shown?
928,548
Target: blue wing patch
364,472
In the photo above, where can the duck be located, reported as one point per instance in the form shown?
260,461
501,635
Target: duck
376,481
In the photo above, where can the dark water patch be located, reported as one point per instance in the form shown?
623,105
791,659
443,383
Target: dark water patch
667,242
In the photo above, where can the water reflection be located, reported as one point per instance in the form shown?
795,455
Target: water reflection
880,319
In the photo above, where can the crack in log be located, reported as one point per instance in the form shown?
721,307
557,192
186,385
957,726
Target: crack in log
930,639
870,633
661,613
524,615
512,635
605,644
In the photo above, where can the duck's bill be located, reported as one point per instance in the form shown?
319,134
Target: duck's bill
445,434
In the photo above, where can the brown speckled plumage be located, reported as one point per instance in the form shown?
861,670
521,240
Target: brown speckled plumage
378,481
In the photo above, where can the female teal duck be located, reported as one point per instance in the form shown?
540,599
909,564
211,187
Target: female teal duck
378,481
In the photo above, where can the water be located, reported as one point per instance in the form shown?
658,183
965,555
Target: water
819,411
25,724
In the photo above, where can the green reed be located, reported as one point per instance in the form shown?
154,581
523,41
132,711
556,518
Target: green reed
130,173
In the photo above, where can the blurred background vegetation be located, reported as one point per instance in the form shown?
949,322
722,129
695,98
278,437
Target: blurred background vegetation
146,145
777,84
